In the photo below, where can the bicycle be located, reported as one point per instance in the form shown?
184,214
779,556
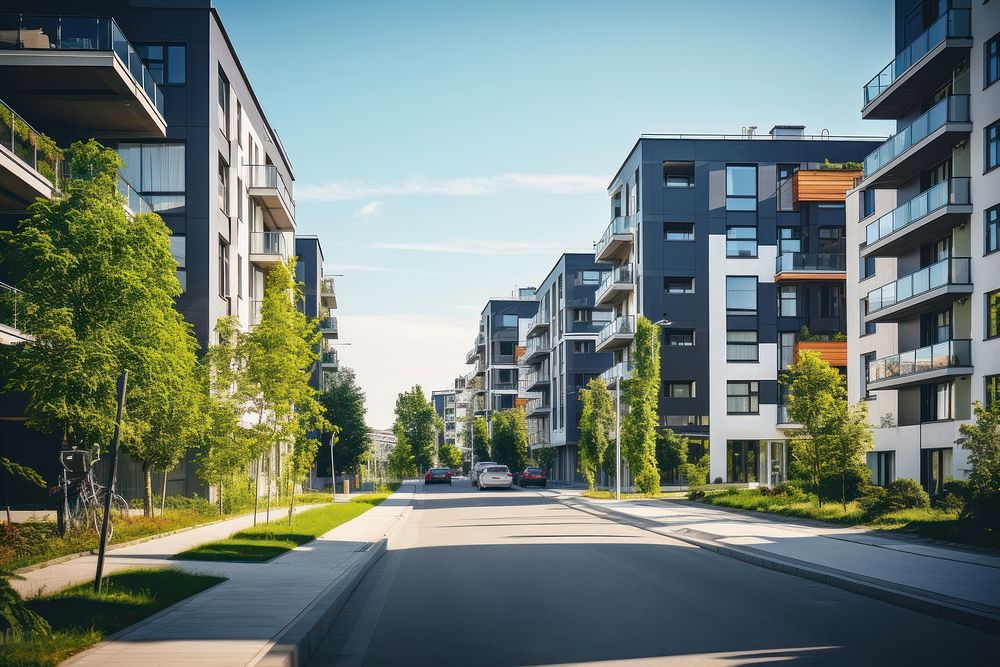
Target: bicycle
85,497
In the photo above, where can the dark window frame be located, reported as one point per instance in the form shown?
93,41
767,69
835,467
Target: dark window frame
993,223
994,44
668,280
988,141
756,296
986,315
740,239
755,344
668,334
752,396
668,388
741,197
687,236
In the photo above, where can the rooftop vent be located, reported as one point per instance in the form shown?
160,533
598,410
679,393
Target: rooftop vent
788,131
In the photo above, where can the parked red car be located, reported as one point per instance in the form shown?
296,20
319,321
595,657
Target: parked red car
531,477
438,476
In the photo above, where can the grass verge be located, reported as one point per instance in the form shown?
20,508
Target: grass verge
610,495
267,541
80,618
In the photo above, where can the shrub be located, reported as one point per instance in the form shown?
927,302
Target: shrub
902,494
984,511
194,504
958,488
790,490
856,483
873,500
696,495
717,480
950,503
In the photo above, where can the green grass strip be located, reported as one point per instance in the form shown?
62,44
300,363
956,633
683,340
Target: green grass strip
80,618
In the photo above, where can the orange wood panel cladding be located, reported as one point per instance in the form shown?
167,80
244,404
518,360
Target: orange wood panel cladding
822,184
834,352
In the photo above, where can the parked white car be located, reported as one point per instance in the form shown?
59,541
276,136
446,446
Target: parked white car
495,477
478,469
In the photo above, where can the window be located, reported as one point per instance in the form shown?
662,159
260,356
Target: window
992,146
866,359
223,107
830,301
678,174
583,347
165,63
582,379
178,250
223,186
741,346
935,402
789,239
866,267
508,322
741,188
582,315
588,278
742,457
993,314
601,315
935,469
678,231
867,202
785,173
239,122
673,285
684,420
505,348
742,398
991,61
741,295
223,268
679,337
867,328
991,389
992,225
741,242
157,171
831,240
239,198
679,389
883,467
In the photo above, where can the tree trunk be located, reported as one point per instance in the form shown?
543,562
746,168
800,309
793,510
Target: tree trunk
267,480
843,489
291,508
147,502
163,493
256,493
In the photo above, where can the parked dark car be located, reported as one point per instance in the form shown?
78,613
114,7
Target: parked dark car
438,476
531,477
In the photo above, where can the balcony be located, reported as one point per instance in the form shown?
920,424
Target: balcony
616,286
537,348
330,360
536,408
135,203
536,379
784,421
255,308
471,355
11,305
949,359
927,217
822,185
94,81
920,145
328,327
267,249
481,339
929,289
617,240
538,324
618,333
538,437
328,292
267,187
797,266
620,371
30,162
919,67
480,368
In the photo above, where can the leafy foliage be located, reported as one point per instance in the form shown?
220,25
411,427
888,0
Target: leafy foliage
641,394
344,407
401,464
417,425
901,494
671,452
597,423
509,443
981,439
449,456
545,456
480,431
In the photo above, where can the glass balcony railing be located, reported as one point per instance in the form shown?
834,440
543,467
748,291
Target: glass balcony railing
541,319
953,23
331,358
810,261
949,354
328,324
950,271
536,345
954,109
624,325
533,376
620,371
621,275
267,243
255,308
11,304
135,201
31,146
623,224
952,191
267,176
79,33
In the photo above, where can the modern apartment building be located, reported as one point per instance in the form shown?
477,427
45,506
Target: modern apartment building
446,405
161,83
732,244
319,298
561,358
924,273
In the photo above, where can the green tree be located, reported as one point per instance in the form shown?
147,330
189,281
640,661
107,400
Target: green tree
509,443
850,436
401,464
480,431
671,453
545,456
641,395
816,393
417,424
344,407
597,423
981,439
449,456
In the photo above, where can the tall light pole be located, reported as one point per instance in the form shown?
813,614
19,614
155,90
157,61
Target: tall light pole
333,478
618,414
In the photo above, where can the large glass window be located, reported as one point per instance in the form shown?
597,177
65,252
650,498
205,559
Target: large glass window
742,457
679,337
157,171
742,398
991,389
178,250
831,240
866,267
741,188
935,401
680,389
674,285
784,186
991,223
789,239
991,155
678,174
935,469
883,467
223,268
866,359
993,314
991,61
589,278
741,346
678,231
830,301
223,186
741,242
741,295
165,62
508,321
223,106
867,202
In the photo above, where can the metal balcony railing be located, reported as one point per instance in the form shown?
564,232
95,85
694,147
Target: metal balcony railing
267,176
79,33
267,243
623,224
954,109
536,345
11,303
949,354
331,358
624,325
328,324
950,271
622,275
952,191
29,145
620,371
133,200
809,261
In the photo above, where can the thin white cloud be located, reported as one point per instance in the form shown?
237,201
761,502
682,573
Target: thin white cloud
347,268
472,185
472,247
369,209
340,268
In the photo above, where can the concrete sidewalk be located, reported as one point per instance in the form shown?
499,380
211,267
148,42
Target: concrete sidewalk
941,575
237,622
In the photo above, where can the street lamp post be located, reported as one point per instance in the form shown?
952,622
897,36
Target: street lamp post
333,477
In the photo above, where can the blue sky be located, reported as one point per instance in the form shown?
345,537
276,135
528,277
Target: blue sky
446,152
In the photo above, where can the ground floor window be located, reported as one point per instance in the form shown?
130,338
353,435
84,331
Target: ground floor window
935,468
742,458
883,467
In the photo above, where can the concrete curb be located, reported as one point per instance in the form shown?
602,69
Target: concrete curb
950,609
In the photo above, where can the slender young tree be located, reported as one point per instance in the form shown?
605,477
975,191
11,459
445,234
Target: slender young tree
981,439
449,456
850,436
671,452
641,394
344,407
481,439
509,443
417,423
545,456
400,464
597,423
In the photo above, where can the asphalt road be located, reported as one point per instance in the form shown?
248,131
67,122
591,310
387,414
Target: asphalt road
513,578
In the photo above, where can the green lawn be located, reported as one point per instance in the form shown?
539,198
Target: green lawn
610,495
80,618
264,542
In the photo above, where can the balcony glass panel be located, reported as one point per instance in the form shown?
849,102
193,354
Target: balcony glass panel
952,191
953,23
267,176
624,224
624,325
954,109
802,261
949,354
621,275
32,147
951,271
267,243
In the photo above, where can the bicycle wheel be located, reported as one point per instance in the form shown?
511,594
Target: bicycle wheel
119,507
